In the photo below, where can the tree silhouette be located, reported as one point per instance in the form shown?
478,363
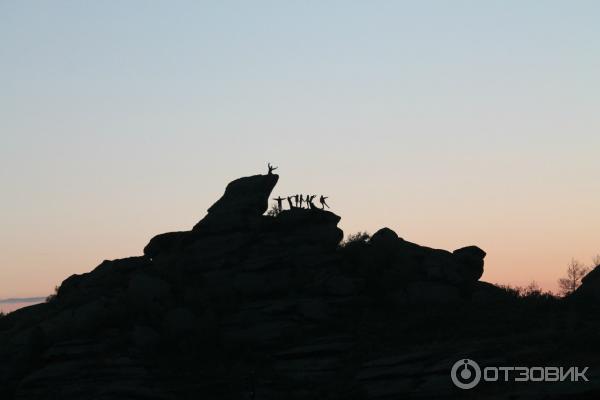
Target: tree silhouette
575,272
533,289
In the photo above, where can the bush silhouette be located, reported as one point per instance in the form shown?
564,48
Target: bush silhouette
274,211
356,238
53,295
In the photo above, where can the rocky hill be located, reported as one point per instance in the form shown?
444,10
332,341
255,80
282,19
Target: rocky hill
250,306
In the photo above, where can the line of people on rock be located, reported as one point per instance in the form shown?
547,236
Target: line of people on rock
298,201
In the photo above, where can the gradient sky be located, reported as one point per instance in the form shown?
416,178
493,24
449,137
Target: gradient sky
451,122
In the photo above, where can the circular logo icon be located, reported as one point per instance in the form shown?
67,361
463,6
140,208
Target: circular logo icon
465,374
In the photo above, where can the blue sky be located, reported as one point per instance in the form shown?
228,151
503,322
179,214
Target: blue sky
454,123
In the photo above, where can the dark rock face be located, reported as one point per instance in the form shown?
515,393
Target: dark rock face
461,267
589,290
239,211
248,195
244,201
246,303
384,237
309,226
471,258
164,243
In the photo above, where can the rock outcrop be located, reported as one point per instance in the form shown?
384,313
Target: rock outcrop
246,305
244,202
418,263
589,290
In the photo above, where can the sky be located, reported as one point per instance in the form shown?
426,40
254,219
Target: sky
452,122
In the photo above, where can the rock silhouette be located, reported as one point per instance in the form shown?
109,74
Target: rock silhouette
246,305
589,291
244,202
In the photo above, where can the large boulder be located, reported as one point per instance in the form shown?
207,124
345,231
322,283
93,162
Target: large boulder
308,226
164,243
106,279
385,239
589,290
240,208
471,259
244,201
417,263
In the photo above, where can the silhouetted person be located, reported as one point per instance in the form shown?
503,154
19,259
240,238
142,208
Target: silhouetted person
322,200
290,202
301,200
310,199
279,201
271,168
296,198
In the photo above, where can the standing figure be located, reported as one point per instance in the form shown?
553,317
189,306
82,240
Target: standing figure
290,202
296,198
271,168
279,201
310,199
301,200
322,200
